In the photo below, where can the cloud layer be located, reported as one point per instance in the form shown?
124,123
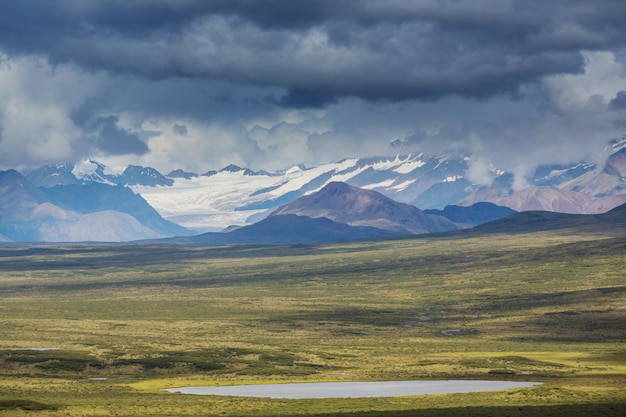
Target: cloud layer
198,84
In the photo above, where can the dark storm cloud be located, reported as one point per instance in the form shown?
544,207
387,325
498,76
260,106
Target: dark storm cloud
319,51
305,97
114,140
268,83
619,102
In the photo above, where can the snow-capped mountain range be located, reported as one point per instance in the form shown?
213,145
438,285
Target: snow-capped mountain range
233,195
89,171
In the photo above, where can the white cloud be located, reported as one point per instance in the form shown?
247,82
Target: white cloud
36,101
603,78
562,118
205,146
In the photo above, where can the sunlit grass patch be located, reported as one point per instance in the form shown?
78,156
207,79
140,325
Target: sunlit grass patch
543,307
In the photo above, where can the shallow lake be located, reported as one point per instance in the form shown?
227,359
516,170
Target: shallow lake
354,389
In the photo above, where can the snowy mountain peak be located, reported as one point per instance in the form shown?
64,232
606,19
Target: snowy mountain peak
618,144
84,167
237,169
236,195
179,173
89,170
294,169
231,168
137,175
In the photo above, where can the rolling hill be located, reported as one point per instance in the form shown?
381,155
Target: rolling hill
354,206
286,229
474,215
610,223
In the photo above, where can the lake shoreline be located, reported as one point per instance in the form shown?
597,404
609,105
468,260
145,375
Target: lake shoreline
311,390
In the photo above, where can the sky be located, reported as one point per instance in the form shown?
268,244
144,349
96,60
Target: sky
268,84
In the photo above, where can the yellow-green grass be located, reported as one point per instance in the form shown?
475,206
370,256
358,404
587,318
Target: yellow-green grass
547,307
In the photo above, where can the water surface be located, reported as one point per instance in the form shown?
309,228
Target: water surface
354,389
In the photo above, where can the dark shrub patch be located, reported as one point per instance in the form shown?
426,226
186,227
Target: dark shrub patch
26,405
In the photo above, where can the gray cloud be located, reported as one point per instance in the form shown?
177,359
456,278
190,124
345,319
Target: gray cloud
112,139
196,84
180,130
619,102
322,50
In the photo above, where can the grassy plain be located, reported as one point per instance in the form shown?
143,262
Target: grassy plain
129,321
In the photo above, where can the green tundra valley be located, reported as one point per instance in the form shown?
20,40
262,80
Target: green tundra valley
103,330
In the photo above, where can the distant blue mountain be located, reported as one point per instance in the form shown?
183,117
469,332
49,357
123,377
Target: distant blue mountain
94,197
474,215
235,168
610,223
18,199
94,172
51,175
287,229
551,175
92,212
179,173
136,175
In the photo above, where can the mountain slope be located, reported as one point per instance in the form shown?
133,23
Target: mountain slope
292,229
88,172
533,199
28,213
17,191
351,205
97,197
611,223
101,226
51,175
582,188
285,229
136,175
473,215
18,199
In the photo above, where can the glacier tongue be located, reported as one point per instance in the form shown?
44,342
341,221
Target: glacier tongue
210,203
228,197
